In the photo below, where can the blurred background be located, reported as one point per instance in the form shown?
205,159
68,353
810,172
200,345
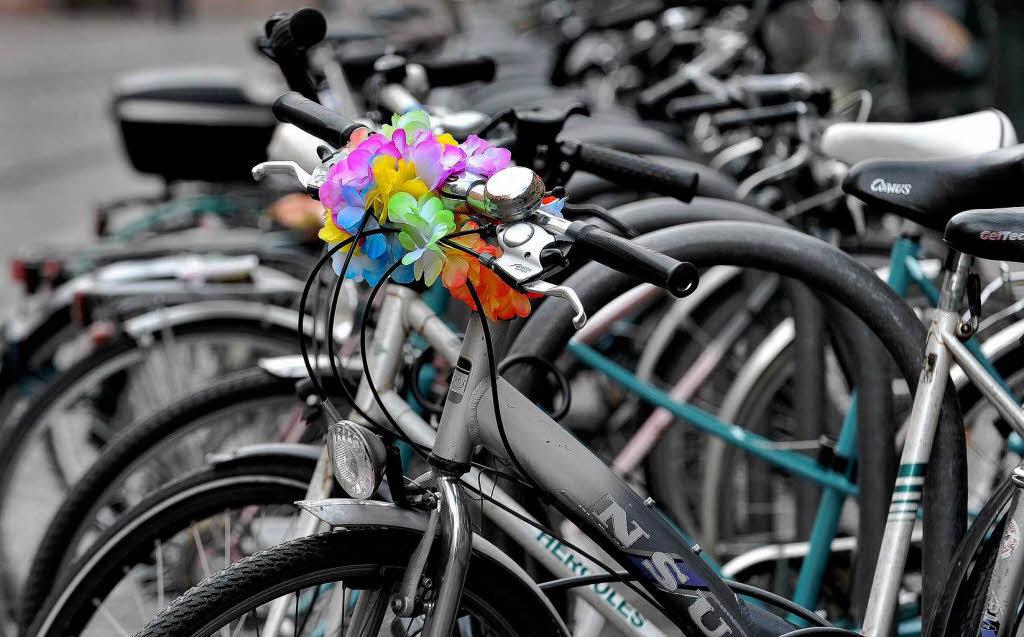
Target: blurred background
66,63
61,149
61,155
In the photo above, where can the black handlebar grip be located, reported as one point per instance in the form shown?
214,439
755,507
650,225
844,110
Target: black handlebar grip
293,33
653,97
680,278
693,105
759,115
293,108
457,72
625,16
630,170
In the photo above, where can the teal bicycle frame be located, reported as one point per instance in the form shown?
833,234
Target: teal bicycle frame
836,485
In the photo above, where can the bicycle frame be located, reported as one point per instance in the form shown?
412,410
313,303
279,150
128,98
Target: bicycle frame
904,270
586,490
943,347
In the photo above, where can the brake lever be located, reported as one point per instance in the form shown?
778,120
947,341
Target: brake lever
310,182
562,292
525,246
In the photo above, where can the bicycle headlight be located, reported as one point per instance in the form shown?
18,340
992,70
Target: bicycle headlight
357,455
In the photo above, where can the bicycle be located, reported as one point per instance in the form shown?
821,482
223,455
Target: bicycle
538,427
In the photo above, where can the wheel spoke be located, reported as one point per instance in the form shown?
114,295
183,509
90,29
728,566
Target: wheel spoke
160,575
227,538
110,618
137,597
201,550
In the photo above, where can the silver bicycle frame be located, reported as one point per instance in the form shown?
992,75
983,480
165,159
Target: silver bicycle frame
402,312
583,487
942,348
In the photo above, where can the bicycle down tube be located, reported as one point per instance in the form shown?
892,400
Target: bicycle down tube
589,493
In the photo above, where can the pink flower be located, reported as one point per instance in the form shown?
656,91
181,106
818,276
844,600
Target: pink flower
435,161
484,159
355,170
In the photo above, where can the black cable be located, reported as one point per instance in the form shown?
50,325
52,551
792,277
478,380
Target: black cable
584,580
458,246
493,372
482,230
318,292
540,527
780,602
313,377
334,301
737,587
821,630
366,365
413,378
302,305
563,382
598,212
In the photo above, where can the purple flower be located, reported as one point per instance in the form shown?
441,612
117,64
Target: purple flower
489,162
355,170
435,161
484,159
474,145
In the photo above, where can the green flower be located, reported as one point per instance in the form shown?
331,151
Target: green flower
424,222
411,122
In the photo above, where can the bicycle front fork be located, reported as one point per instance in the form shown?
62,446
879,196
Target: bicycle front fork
1007,583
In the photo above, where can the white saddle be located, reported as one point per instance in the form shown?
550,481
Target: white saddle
939,139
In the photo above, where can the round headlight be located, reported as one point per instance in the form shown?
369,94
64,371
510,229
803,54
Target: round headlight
357,455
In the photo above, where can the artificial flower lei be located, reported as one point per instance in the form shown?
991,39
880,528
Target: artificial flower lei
395,175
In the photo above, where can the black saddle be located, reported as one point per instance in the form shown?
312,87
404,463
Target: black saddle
931,192
990,234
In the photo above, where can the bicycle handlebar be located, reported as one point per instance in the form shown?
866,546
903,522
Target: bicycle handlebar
458,72
293,108
295,32
760,115
678,277
628,169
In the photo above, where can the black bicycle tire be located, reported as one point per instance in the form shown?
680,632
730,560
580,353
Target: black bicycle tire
974,544
158,516
258,578
56,538
51,555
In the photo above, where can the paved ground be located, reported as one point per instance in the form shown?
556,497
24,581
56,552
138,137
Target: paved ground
59,149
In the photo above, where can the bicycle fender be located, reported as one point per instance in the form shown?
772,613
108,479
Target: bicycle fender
264,451
345,512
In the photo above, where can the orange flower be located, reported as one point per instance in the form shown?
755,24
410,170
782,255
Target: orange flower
499,301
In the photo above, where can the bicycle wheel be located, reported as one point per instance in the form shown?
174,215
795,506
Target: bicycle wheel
54,440
356,568
247,407
170,541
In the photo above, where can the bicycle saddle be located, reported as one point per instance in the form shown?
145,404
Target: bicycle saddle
939,139
931,192
990,234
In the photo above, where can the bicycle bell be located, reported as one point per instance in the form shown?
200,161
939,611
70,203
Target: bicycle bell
513,194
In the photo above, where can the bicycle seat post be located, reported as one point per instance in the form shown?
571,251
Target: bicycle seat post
906,499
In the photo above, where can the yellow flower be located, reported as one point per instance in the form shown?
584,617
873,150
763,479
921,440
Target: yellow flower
330,232
392,176
447,139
